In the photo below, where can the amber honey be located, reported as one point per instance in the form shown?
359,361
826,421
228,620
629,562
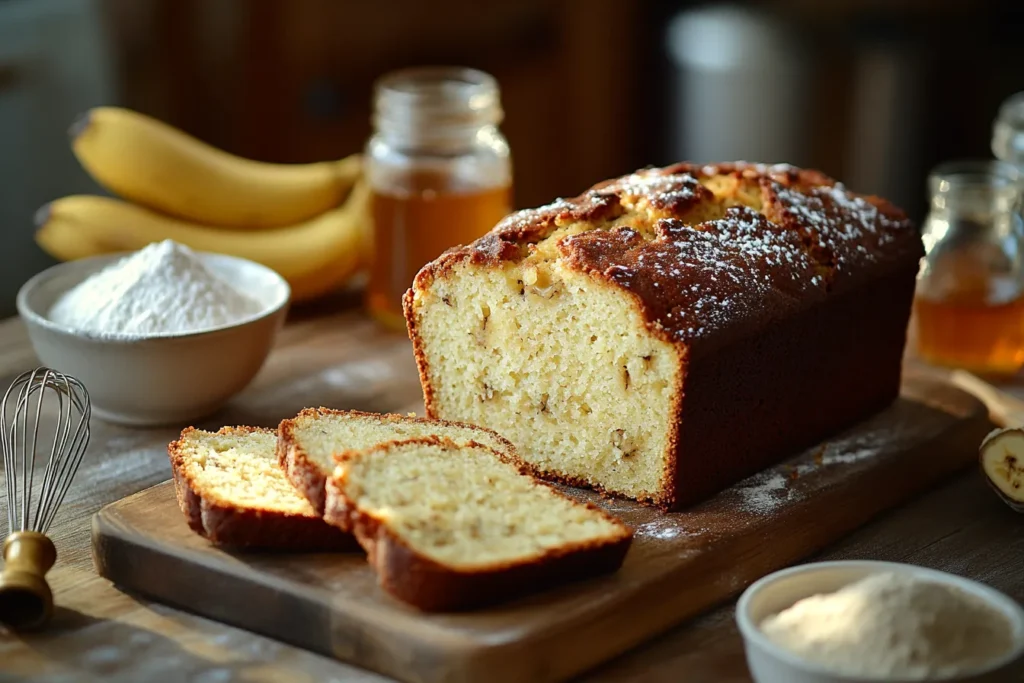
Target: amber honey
414,224
976,334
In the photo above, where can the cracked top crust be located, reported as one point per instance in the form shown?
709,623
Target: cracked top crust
708,251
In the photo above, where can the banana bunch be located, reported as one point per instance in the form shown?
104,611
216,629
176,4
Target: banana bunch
308,222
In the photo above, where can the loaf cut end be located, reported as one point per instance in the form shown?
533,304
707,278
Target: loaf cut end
559,363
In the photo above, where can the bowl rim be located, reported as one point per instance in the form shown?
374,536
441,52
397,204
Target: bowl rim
93,264
752,633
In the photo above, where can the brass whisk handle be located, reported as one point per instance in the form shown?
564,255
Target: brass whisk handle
26,601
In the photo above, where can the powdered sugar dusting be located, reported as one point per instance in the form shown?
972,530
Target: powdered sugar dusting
666,191
746,231
756,167
535,218
849,228
722,272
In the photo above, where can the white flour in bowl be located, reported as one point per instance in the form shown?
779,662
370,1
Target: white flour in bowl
159,290
894,625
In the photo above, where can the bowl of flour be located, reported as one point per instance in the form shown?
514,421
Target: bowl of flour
861,621
159,336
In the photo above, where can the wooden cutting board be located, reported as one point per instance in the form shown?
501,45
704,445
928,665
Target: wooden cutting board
679,565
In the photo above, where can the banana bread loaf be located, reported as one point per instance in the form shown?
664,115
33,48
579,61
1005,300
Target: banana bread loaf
672,331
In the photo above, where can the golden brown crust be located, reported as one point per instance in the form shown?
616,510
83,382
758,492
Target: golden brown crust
236,526
669,497
707,282
431,586
310,478
421,360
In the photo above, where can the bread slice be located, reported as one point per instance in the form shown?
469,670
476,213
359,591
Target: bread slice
452,526
232,491
307,444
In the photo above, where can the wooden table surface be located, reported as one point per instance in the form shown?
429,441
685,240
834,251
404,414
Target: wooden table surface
340,359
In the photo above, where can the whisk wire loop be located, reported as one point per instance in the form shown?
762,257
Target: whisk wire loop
59,441
26,498
55,493
22,412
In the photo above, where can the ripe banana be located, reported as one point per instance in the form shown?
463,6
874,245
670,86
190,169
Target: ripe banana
1002,461
315,257
149,162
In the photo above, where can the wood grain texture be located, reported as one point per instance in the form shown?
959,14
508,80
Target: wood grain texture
680,563
326,355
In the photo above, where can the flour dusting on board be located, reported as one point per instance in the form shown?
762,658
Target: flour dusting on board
663,530
767,491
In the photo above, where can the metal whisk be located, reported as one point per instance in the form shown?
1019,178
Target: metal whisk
28,429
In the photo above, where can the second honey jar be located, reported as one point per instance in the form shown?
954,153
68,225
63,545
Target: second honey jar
969,307
440,172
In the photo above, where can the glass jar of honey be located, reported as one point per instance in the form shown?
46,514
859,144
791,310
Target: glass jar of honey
440,174
969,305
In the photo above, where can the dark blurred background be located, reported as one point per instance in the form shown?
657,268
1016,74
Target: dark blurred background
874,92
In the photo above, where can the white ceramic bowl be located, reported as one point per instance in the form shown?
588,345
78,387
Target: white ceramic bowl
770,663
162,380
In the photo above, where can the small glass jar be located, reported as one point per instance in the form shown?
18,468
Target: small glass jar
969,305
1008,131
439,170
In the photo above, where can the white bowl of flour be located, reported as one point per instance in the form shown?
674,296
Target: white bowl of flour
861,621
159,336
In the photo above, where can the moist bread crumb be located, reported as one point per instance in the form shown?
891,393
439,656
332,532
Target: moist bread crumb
232,491
308,442
452,526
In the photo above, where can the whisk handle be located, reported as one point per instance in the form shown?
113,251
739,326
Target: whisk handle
26,601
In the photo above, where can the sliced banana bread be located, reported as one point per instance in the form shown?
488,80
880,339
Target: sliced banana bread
307,444
451,526
233,492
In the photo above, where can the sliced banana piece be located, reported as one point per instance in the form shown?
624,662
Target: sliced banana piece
1002,461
